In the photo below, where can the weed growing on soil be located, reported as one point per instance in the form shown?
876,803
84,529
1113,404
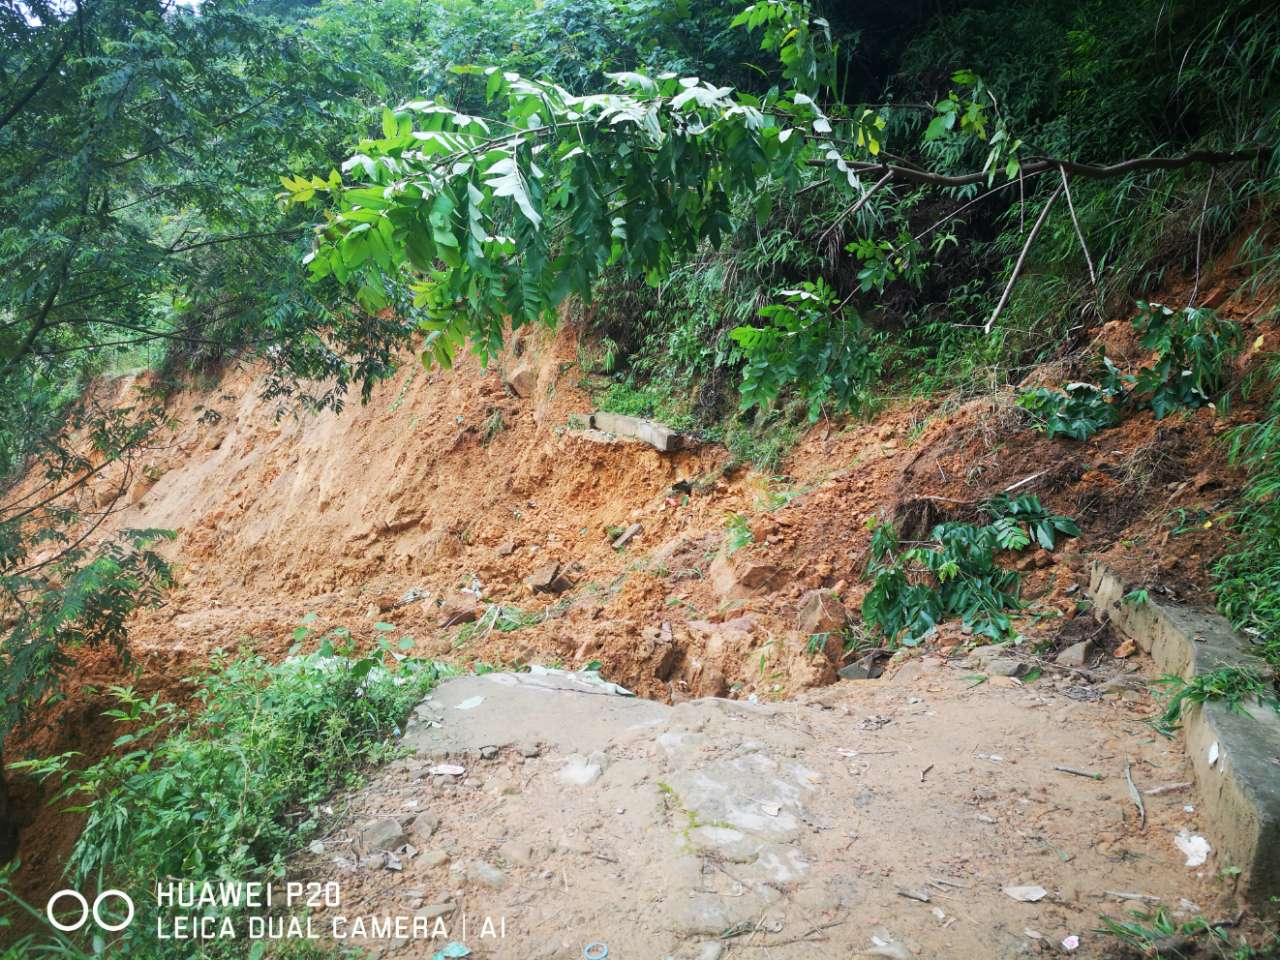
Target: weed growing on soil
765,441
498,617
1192,346
1235,686
737,533
1248,575
780,492
954,573
628,399
1152,933
492,427
230,788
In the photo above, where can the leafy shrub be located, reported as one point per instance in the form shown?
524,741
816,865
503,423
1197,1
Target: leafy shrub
208,792
1019,520
954,573
1078,411
1192,346
808,345
1191,349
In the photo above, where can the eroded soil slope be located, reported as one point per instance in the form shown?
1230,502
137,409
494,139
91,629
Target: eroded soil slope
481,521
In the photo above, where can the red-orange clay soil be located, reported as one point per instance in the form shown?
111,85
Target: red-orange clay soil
448,493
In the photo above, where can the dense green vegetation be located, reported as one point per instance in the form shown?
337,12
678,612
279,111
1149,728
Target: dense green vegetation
954,574
763,213
214,790
1191,350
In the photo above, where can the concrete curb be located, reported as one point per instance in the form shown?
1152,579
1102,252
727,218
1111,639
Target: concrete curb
1240,790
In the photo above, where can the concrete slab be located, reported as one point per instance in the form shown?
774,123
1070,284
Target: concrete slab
655,434
548,709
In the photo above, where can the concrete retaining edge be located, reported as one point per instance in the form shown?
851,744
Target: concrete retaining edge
1240,790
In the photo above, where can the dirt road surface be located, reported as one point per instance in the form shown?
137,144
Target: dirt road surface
893,818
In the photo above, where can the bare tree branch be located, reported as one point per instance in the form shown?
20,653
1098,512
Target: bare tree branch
854,207
1204,209
1087,170
1022,257
1066,188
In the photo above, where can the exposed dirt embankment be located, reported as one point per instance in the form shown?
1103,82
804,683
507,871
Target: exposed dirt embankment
468,509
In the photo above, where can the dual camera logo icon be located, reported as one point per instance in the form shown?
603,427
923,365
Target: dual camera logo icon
104,922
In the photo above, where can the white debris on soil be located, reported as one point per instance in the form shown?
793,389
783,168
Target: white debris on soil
1025,894
1196,848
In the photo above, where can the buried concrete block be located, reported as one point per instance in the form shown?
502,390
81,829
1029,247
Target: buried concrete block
655,434
1235,755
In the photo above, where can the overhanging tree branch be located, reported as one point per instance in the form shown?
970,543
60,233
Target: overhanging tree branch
1090,171
54,62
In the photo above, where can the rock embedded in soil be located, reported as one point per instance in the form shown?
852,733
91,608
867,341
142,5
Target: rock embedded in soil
1007,667
433,910
424,825
739,579
1076,655
485,874
522,379
867,668
521,853
625,537
382,835
434,858
580,771
459,607
820,611
549,578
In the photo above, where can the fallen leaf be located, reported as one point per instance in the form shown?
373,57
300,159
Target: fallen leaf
1125,649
